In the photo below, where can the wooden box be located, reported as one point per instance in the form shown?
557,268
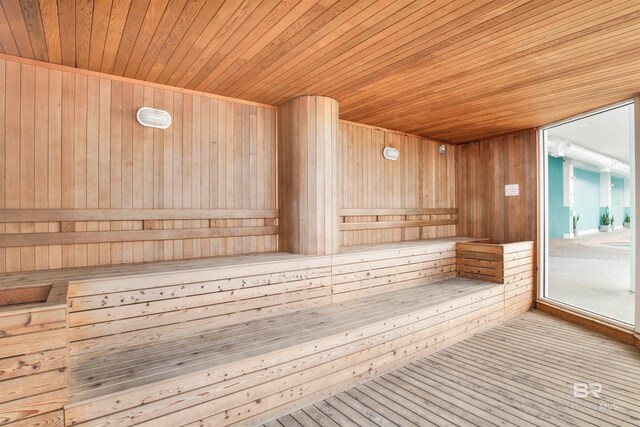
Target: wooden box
33,354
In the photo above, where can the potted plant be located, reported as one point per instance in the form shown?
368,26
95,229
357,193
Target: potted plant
605,221
576,218
627,221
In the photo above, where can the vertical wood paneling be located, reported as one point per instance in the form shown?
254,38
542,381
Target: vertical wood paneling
80,161
484,168
115,164
138,173
67,155
27,153
69,140
3,180
270,177
307,182
12,156
177,169
54,163
420,178
93,120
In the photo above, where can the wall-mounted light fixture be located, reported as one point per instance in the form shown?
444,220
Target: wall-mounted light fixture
390,153
153,118
442,149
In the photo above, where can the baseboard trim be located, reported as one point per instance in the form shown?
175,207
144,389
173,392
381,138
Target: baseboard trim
626,336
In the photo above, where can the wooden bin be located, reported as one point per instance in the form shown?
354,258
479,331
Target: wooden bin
33,354
510,264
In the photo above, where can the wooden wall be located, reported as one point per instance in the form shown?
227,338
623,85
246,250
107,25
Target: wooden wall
83,184
484,168
69,140
418,188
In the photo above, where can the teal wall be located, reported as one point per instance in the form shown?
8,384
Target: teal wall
558,213
617,200
586,198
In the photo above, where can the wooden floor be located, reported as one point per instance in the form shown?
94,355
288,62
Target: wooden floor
519,373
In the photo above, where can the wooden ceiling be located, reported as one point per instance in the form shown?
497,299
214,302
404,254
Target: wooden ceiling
453,70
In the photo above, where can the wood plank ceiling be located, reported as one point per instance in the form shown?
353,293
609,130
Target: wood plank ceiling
453,70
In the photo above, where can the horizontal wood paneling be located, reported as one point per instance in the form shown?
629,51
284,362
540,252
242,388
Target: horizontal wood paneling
483,169
56,215
228,338
405,339
143,309
71,150
34,357
511,264
372,225
360,275
411,198
480,262
146,310
90,237
456,71
278,360
399,211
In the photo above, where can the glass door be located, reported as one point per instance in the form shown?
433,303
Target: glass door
588,184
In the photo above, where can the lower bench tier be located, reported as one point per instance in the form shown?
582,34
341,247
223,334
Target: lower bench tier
241,339
264,367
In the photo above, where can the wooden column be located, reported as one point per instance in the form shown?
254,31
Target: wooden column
307,182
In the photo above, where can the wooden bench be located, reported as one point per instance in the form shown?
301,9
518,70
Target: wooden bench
108,313
228,374
246,339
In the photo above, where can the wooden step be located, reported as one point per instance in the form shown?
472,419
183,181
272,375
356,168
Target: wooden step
212,373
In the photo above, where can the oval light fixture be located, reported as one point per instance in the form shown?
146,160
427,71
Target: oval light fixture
153,118
390,153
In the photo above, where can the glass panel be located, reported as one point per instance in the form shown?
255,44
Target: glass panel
588,212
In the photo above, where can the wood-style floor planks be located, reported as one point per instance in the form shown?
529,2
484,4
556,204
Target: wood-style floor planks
303,419
521,372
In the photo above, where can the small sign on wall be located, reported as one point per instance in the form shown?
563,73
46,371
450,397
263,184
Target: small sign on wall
511,190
